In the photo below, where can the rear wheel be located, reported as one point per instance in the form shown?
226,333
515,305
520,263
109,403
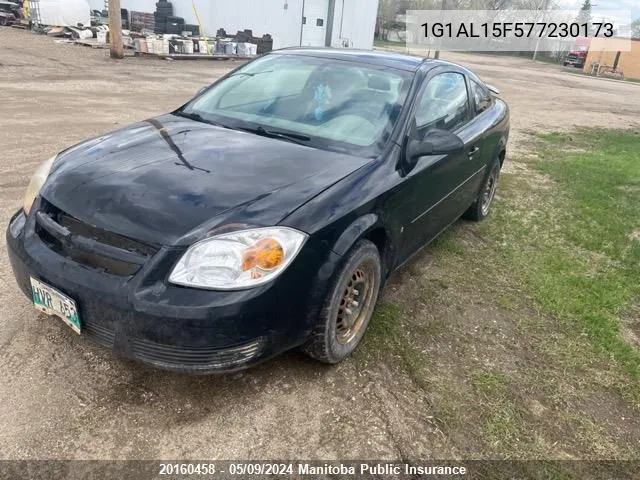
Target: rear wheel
348,307
482,206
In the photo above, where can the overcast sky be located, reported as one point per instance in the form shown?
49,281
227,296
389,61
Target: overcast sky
633,5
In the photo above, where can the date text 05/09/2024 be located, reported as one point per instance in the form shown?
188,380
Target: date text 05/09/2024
517,29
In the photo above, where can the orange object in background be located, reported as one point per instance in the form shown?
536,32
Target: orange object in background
614,53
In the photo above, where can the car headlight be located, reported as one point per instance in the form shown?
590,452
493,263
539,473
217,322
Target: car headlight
37,181
238,260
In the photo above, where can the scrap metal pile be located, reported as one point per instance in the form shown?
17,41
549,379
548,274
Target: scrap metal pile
188,45
159,33
11,12
173,37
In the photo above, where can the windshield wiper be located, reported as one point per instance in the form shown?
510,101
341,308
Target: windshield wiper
290,137
199,118
247,74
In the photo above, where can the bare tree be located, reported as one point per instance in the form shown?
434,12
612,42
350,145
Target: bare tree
498,4
635,28
387,10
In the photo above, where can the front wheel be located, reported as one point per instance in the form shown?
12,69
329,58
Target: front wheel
482,206
348,307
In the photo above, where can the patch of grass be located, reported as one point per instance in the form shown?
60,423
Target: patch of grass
503,422
593,434
561,240
512,327
587,272
568,232
384,327
603,187
387,43
385,335
448,243
507,301
490,383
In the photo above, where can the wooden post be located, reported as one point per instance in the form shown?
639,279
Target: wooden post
115,29
439,42
545,6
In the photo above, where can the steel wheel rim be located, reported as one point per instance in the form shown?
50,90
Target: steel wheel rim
355,303
489,193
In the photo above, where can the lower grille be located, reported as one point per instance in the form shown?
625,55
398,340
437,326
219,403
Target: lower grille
204,358
99,334
175,357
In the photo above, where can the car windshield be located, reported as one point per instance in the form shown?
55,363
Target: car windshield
324,103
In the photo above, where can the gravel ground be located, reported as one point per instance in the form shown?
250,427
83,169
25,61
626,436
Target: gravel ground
65,398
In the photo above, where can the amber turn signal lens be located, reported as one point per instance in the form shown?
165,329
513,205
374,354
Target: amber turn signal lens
266,254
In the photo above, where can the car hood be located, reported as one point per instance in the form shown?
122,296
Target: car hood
169,180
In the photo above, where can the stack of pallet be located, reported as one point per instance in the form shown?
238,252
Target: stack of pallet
142,21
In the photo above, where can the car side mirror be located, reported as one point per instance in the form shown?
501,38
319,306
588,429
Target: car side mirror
435,142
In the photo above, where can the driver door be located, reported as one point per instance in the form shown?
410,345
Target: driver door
434,181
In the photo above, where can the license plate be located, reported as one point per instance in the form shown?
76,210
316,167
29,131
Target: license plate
52,302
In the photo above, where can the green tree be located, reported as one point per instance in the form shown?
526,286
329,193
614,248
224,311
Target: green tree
585,15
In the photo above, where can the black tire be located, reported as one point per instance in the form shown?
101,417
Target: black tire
331,341
481,208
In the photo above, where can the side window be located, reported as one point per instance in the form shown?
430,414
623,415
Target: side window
444,103
481,96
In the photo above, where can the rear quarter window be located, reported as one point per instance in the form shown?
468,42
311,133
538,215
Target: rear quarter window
481,97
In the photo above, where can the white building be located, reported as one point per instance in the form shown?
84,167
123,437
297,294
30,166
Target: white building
335,23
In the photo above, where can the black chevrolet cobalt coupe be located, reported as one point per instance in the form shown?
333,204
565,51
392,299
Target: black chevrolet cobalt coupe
265,214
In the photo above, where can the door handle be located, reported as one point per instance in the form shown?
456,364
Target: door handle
473,152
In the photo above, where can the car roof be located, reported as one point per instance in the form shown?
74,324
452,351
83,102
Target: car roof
372,57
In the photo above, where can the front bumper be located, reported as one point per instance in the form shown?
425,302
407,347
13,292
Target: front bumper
175,328
575,61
